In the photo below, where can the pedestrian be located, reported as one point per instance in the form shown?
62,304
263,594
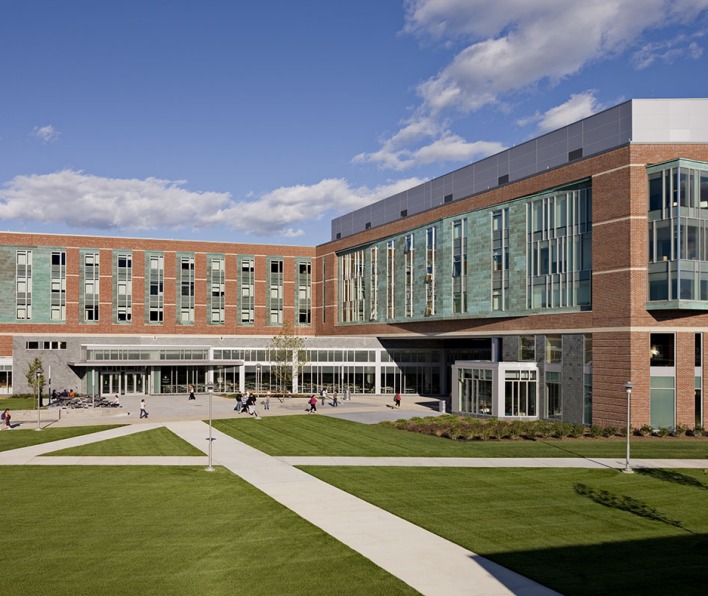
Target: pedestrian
266,401
6,418
313,404
191,392
397,400
335,401
143,410
324,396
239,402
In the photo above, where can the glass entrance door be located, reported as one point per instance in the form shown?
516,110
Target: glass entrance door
123,382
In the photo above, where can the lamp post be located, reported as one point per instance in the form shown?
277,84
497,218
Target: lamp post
210,390
258,379
39,373
628,389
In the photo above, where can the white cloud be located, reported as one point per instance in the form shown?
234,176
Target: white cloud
579,106
668,51
46,134
509,46
81,201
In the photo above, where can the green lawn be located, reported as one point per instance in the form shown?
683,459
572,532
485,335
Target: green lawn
158,441
19,403
16,438
576,531
164,530
322,435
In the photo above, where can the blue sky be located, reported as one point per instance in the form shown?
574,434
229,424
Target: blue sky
259,122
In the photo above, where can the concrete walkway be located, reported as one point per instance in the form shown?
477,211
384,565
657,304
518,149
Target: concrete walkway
425,561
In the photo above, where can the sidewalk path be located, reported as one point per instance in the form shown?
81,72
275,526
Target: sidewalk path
425,561
498,462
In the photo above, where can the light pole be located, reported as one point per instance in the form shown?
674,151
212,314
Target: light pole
39,373
210,390
628,389
258,379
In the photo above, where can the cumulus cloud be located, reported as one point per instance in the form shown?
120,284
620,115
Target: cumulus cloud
45,134
82,201
509,46
579,106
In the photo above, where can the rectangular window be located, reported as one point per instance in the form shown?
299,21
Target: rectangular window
430,254
390,279
247,292
156,288
559,249
185,300
374,284
662,349
527,348
216,290
91,286
459,266
57,287
275,291
554,349
500,259
123,285
553,395
23,284
303,297
351,287
408,274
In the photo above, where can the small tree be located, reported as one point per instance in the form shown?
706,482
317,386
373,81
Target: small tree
35,377
287,356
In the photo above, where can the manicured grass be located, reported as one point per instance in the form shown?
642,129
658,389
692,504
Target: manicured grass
19,403
158,441
164,530
16,438
576,531
322,435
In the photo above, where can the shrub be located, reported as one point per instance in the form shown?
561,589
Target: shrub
609,431
699,431
662,432
595,431
680,430
646,430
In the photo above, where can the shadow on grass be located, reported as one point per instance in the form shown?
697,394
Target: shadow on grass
672,476
625,503
668,565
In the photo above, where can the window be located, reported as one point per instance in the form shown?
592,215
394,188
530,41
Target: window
351,287
553,395
459,267
500,259
430,254
662,349
57,287
390,279
303,298
91,285
275,291
408,274
554,349
247,283
156,288
23,284
123,287
374,284
186,294
216,290
559,249
527,348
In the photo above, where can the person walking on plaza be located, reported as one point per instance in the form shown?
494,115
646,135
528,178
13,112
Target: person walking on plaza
191,392
323,394
6,418
313,405
239,402
266,401
397,400
335,400
143,410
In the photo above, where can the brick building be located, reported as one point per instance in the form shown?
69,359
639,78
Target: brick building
532,284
